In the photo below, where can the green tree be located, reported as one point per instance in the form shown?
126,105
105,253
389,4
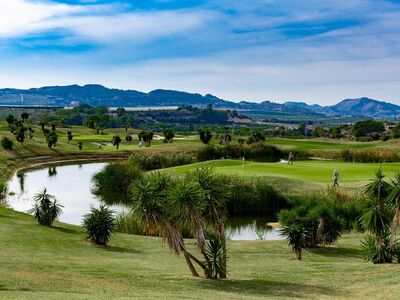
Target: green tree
146,137
256,136
69,136
205,135
51,138
116,141
169,135
11,120
367,127
24,116
396,131
6,143
20,132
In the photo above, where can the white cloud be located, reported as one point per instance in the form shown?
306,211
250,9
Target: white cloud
92,23
19,17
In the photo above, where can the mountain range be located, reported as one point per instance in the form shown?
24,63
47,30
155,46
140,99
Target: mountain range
96,95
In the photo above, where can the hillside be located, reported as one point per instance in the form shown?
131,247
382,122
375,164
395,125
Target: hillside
96,95
356,107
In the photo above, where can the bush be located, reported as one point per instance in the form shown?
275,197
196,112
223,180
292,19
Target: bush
45,211
369,156
159,161
99,224
377,254
115,177
256,196
7,143
3,191
256,152
323,215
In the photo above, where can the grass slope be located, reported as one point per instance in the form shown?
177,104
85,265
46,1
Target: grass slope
56,263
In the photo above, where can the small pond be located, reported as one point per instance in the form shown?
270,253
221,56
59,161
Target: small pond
71,185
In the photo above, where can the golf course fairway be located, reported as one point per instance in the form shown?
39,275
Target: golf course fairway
311,172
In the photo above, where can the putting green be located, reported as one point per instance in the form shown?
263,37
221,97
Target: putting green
319,172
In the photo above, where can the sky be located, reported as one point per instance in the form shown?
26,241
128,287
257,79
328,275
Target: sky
316,51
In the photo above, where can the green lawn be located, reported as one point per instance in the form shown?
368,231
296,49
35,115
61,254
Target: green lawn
39,262
311,174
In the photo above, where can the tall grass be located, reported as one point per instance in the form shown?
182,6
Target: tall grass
115,177
369,156
148,162
256,152
254,197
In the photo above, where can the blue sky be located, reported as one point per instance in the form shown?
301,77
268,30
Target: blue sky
283,50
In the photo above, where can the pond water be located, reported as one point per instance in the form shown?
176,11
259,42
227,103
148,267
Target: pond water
71,185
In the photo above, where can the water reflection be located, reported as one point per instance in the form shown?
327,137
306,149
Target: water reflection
251,229
71,185
52,171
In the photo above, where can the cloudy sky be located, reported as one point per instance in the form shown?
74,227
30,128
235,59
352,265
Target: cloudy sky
318,51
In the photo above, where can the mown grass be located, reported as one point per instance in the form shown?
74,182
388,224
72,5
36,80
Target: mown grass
302,175
57,263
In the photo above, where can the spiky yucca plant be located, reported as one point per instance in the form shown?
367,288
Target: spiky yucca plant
99,224
46,209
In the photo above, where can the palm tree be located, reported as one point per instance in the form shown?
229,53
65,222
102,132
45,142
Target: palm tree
46,209
187,205
150,207
296,235
376,218
215,212
394,198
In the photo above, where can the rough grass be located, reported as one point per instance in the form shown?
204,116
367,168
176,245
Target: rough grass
39,262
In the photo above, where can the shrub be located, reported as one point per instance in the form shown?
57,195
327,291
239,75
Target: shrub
256,152
99,224
377,254
323,215
7,143
125,223
205,135
3,191
115,177
296,236
46,209
160,161
215,254
369,156
254,196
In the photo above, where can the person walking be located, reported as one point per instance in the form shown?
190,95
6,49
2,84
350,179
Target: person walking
290,158
335,178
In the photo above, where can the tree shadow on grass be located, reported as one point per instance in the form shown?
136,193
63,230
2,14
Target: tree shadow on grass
268,288
65,230
120,249
30,149
338,252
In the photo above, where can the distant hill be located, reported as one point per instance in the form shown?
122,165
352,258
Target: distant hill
96,95
356,107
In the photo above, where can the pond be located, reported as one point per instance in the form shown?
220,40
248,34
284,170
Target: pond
71,185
